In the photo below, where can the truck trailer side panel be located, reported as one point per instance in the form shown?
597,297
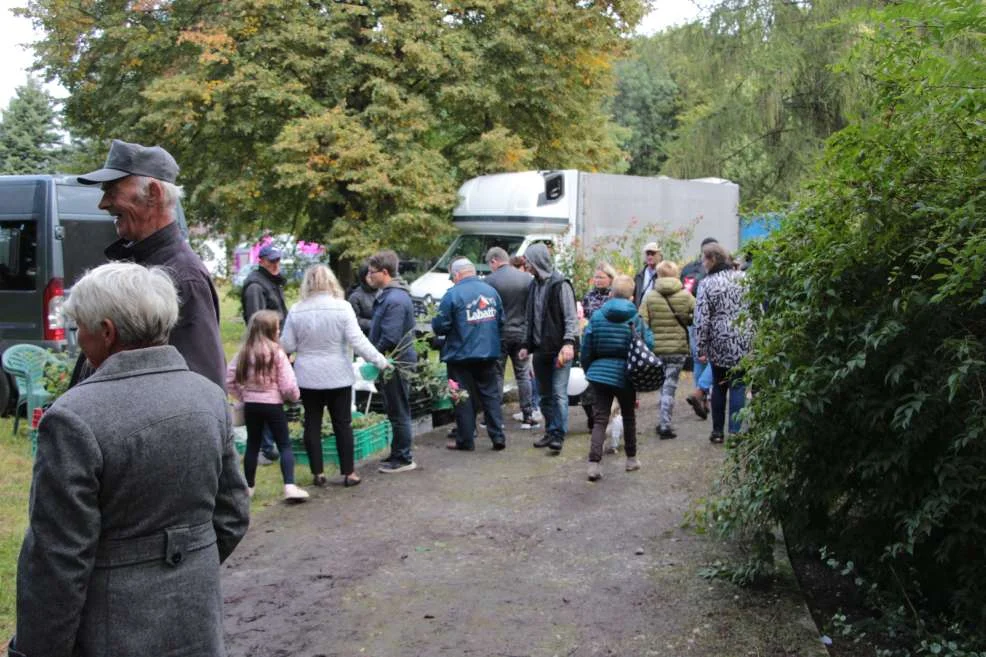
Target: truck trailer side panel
608,203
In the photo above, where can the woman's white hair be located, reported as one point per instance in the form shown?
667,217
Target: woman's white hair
142,303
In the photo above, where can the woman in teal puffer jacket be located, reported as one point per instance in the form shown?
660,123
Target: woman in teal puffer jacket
604,350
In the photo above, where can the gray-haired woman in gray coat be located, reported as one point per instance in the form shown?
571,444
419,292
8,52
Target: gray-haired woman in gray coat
136,497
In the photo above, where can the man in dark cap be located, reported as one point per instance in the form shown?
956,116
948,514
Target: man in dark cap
139,191
263,289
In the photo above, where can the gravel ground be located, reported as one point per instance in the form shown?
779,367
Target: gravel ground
507,554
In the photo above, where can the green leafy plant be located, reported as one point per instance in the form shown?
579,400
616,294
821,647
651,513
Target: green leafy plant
577,261
868,426
57,373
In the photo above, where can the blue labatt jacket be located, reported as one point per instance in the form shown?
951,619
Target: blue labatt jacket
470,317
607,339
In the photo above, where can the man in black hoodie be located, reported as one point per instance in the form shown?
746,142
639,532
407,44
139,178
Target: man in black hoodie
552,329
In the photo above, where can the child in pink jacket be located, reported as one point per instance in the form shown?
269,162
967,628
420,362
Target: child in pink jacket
262,378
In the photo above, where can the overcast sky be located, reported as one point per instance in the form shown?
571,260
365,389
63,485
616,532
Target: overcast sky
17,32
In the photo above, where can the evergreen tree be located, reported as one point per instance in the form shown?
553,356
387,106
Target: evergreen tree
28,132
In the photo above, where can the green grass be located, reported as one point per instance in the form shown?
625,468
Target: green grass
15,464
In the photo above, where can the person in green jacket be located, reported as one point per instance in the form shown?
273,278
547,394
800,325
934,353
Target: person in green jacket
668,309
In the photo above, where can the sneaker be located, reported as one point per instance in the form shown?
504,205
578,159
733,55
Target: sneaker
543,441
530,423
715,437
268,459
499,447
387,460
294,494
633,463
594,472
519,415
250,491
320,480
665,433
555,447
393,467
536,414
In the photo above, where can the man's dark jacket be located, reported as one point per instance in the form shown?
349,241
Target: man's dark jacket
262,290
639,282
393,322
196,335
513,286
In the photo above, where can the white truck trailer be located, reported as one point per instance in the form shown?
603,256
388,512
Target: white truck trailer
515,210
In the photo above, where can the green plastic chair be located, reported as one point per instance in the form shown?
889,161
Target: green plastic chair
26,363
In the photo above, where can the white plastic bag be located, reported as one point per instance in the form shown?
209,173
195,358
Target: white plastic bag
615,430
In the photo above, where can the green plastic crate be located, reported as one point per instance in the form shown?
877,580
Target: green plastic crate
366,442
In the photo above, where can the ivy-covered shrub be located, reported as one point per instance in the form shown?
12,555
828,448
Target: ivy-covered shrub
868,424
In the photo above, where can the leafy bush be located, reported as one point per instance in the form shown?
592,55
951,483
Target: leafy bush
578,261
868,429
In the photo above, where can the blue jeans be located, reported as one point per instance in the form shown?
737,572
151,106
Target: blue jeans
479,378
553,387
396,397
728,380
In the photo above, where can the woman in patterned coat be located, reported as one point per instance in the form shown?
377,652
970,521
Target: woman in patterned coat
722,339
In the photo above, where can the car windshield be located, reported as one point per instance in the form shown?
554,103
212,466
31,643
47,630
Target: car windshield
475,247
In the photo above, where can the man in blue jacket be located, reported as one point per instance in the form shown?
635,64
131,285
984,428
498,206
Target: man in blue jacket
470,317
392,333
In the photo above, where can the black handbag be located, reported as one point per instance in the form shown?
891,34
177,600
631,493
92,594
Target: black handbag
644,370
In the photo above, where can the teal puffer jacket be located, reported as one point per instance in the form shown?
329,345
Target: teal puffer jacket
607,339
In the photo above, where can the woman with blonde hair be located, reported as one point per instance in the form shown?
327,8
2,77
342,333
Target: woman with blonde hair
668,309
604,351
322,330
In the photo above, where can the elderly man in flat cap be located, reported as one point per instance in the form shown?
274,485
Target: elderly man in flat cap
139,191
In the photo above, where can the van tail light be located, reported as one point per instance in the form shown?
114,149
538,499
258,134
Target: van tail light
54,322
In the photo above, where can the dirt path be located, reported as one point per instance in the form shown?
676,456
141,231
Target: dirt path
506,554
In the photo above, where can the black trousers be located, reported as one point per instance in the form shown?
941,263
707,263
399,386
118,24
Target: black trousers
339,402
272,415
601,407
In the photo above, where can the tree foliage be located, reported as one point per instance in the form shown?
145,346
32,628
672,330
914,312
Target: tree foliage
646,105
349,120
758,93
29,132
869,420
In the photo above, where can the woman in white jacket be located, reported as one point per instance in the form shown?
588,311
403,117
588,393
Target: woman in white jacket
322,330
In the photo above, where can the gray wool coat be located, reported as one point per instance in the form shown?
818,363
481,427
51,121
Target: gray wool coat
136,499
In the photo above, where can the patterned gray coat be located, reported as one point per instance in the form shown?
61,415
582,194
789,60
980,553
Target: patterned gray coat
136,499
721,337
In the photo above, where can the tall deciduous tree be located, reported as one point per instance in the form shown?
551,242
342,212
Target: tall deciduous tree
28,132
645,104
352,120
759,91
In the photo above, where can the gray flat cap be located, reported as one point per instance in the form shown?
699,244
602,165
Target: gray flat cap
126,159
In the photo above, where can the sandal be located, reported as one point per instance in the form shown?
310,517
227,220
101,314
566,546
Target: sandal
351,480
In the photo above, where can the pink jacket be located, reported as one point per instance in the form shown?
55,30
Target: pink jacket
284,388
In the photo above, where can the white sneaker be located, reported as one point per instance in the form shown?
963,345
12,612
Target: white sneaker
594,471
633,464
519,415
294,494
537,415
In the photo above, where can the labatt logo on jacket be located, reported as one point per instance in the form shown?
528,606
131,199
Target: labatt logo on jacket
481,309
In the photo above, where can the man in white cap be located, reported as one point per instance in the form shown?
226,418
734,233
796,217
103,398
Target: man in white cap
139,191
646,277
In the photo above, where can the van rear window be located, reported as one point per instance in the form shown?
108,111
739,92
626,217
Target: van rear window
18,255
76,199
21,204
